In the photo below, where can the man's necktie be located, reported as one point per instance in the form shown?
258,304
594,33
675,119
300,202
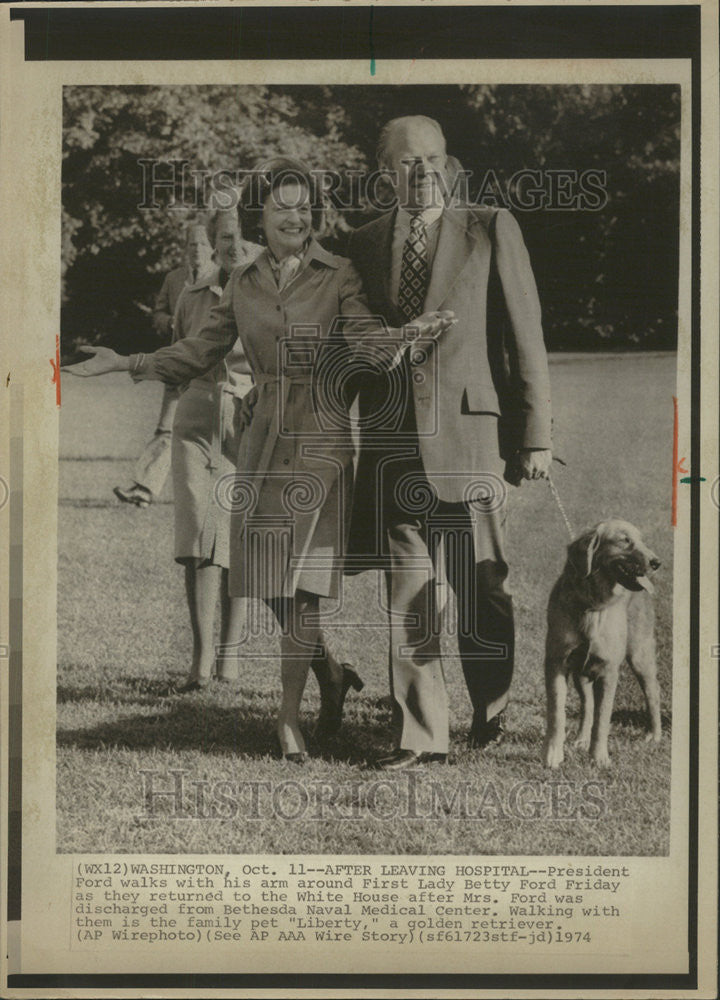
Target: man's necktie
413,271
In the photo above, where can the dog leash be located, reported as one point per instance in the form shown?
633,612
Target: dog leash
561,507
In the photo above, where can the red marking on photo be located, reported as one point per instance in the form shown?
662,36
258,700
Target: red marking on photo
678,463
55,363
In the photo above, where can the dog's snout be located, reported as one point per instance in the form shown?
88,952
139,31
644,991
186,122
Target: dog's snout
655,563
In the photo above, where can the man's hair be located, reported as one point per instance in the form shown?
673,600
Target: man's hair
387,130
268,177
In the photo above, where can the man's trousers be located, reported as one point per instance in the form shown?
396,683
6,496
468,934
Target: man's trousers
456,549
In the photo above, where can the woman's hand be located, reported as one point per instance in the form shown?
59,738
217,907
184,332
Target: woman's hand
102,360
430,325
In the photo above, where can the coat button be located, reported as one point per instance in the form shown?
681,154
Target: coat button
286,461
279,308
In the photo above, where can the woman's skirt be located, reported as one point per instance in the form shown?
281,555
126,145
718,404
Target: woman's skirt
205,446
275,553
288,532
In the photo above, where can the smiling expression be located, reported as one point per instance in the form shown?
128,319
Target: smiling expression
616,549
417,160
287,218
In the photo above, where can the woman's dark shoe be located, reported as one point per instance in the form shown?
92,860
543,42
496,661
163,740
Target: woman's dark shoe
295,758
332,701
190,686
136,494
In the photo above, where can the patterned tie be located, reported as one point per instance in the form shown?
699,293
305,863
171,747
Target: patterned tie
413,271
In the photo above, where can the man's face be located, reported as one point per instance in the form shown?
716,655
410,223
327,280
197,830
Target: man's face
198,250
416,155
228,243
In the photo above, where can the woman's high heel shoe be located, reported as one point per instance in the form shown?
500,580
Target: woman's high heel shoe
296,756
333,700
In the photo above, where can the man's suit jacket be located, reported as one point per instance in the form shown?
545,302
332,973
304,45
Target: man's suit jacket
493,361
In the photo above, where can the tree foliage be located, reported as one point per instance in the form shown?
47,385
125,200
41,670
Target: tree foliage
607,277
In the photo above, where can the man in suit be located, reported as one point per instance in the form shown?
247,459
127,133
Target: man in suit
473,412
153,466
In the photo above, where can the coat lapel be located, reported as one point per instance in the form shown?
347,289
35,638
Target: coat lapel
455,244
378,259
385,256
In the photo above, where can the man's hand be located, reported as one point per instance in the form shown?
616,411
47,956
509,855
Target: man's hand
532,464
102,360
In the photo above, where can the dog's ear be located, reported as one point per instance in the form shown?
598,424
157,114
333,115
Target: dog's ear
582,551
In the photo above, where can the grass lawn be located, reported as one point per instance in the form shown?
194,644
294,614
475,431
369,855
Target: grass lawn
123,635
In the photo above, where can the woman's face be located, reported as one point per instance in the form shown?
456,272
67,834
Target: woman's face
228,242
287,218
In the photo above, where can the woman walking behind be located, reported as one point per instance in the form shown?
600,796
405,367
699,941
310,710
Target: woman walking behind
205,443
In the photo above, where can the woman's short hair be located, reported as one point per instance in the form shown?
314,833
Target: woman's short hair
213,221
266,178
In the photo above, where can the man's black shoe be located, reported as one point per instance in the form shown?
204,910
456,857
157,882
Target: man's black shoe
400,760
488,734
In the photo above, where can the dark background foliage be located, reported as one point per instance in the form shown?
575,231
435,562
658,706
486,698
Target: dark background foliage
608,278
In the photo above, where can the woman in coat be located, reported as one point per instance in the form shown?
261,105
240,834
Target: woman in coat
297,311
204,447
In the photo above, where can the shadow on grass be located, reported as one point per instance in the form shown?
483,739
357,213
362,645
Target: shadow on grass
636,718
197,723
122,691
95,458
83,503
112,503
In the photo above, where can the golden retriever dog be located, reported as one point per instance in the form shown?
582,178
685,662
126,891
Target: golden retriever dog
600,614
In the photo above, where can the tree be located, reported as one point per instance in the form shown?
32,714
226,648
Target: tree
608,275
115,247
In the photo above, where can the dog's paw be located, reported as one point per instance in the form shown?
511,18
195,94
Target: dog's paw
554,755
600,757
582,742
653,737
